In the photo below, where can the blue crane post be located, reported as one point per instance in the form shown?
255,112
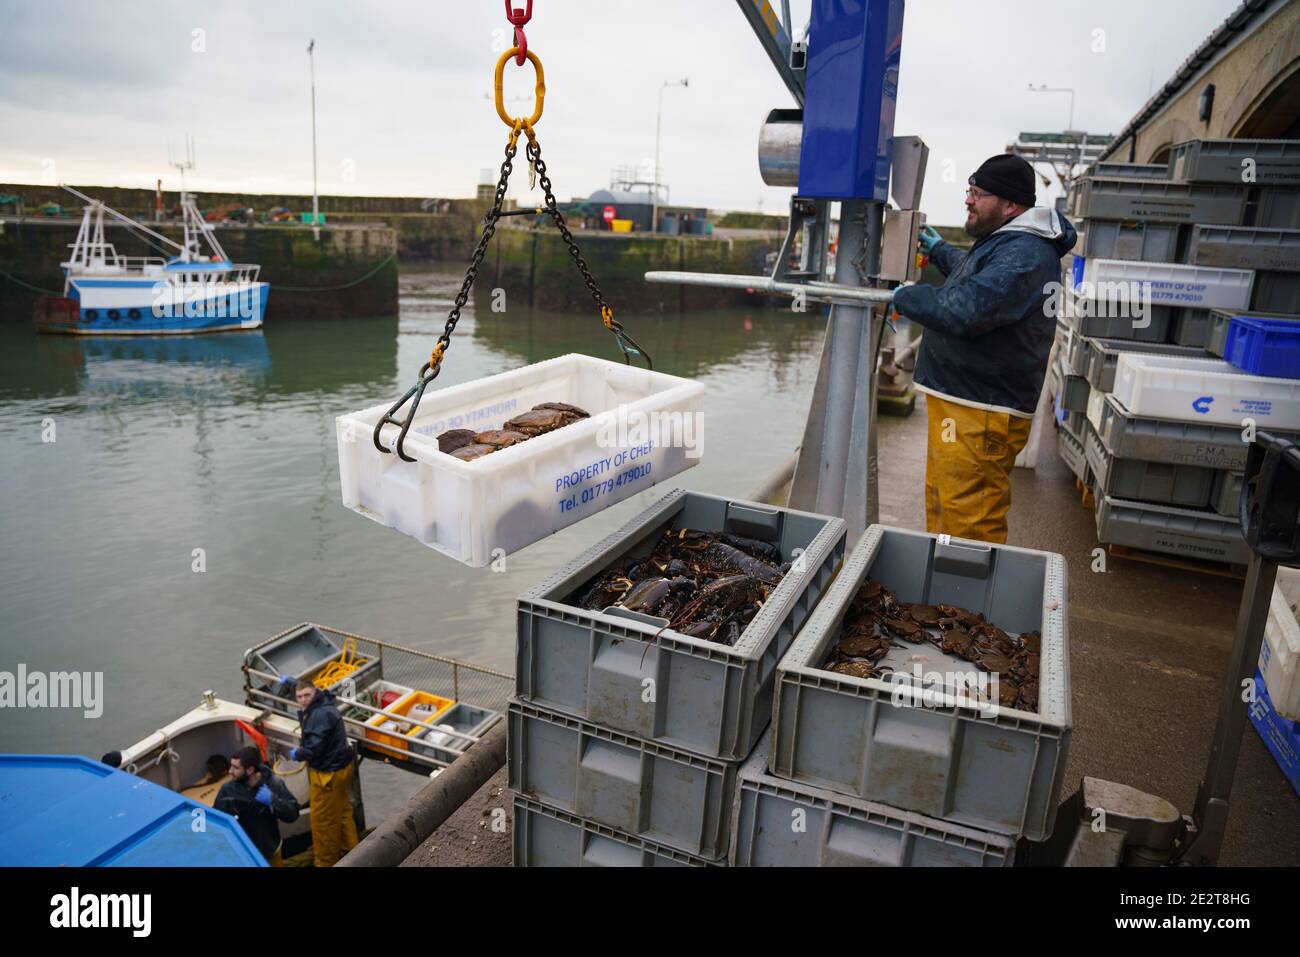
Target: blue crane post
851,90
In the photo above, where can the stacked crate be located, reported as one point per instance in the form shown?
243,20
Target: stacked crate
626,738
1216,234
861,771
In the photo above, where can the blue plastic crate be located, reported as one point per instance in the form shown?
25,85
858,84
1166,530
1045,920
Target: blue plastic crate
1281,736
1266,347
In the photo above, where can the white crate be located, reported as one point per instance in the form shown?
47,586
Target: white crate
1204,390
518,495
1172,284
1279,656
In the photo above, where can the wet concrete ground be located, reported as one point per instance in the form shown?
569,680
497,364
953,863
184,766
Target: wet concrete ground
1148,648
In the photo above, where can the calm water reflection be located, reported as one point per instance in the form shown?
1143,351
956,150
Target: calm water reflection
226,443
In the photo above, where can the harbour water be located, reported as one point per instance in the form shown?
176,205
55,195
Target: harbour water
226,443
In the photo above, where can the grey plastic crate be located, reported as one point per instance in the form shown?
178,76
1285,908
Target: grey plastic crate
1276,292
302,654
780,823
1138,240
646,790
1072,350
1107,170
680,691
1273,207
1128,436
1245,247
1075,423
1236,161
992,769
1074,393
1098,319
1227,493
1101,356
1162,202
467,719
1170,530
1071,451
1191,328
545,837
297,653
1188,486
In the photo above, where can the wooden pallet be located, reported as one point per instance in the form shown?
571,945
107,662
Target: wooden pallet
1085,494
1202,565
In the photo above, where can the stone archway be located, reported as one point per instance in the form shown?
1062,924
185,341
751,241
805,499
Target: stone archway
1274,112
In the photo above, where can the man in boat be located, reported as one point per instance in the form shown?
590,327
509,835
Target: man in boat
988,333
258,800
330,767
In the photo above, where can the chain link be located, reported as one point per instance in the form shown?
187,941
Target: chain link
429,371
489,229
628,345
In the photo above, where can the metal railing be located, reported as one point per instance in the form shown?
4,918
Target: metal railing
464,683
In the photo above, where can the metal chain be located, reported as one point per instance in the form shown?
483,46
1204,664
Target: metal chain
489,229
429,371
628,345
533,150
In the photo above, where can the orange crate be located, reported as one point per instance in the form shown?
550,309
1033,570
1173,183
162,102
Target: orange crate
399,710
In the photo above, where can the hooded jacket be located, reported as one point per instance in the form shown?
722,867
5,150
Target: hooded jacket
324,736
989,327
260,823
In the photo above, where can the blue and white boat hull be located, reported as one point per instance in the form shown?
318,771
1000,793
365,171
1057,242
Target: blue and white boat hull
110,306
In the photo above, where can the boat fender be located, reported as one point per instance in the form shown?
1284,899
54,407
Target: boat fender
258,737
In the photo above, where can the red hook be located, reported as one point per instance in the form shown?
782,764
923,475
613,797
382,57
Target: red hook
518,18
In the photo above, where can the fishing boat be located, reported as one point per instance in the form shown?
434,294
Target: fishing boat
378,686
194,288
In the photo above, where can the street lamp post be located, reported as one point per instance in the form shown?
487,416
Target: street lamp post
1044,88
659,123
315,196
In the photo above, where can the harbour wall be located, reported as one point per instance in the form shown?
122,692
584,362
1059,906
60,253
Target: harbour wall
534,266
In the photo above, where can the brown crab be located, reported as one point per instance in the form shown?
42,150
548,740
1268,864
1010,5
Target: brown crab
475,450
908,631
862,646
455,439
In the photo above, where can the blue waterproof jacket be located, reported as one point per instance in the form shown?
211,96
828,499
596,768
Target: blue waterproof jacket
989,327
324,744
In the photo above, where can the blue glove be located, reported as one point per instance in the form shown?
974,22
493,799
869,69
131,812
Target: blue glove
263,795
929,238
293,754
288,680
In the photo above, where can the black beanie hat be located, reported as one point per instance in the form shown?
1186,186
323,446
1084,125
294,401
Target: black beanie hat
1007,176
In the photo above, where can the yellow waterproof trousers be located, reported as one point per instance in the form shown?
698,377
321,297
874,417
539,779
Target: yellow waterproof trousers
968,469
333,829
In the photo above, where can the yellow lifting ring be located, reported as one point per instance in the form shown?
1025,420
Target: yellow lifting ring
499,85
607,316
435,357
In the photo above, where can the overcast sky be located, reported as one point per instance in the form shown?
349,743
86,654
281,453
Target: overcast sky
92,92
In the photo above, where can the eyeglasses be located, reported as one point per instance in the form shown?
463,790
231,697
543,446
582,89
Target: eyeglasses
977,194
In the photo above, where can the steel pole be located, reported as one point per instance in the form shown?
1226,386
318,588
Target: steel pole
836,474
654,190
315,195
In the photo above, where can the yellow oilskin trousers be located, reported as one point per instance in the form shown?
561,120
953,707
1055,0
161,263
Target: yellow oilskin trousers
333,829
968,469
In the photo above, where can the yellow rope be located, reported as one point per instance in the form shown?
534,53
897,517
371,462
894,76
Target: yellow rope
337,670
